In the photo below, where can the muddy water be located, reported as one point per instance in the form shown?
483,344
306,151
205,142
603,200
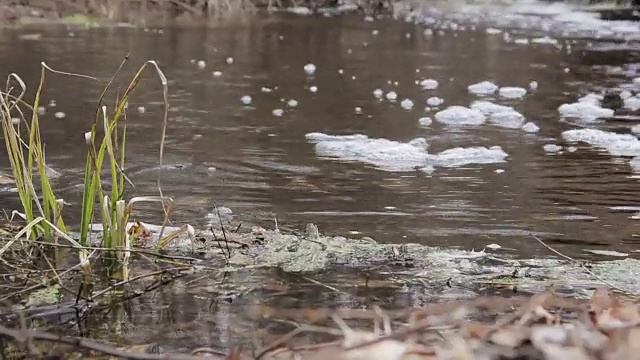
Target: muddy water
261,166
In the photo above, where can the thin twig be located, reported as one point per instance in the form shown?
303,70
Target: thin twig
586,269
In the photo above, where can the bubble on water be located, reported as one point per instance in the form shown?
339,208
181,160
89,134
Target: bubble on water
567,70
407,35
428,32
417,71
313,89
192,61
353,77
499,171
392,96
229,60
211,169
246,100
202,64
375,32
60,115
42,110
280,37
572,149
217,73
365,44
533,85
358,110
349,51
435,101
429,84
378,93
340,71
368,18
292,103
310,69
265,89
493,31
142,109
406,104
277,112
521,41
52,103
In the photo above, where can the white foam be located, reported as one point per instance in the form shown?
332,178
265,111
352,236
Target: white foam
391,155
545,40
406,104
425,121
435,101
512,92
483,88
615,144
585,110
500,115
551,148
632,103
460,115
530,128
429,84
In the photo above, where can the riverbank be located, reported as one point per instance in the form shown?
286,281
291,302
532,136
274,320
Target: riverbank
146,12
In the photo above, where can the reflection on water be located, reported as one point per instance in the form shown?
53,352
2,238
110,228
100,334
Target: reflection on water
260,165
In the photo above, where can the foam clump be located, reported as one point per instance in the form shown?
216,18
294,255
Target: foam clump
483,88
389,155
460,115
615,144
472,155
429,84
500,115
530,128
512,92
632,103
584,110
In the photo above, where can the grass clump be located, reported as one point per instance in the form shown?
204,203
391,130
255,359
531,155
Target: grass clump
42,209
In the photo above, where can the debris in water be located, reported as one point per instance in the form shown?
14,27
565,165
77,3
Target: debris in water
313,89
277,112
202,64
